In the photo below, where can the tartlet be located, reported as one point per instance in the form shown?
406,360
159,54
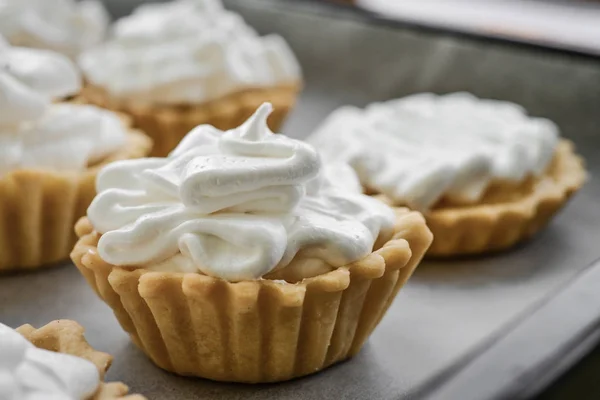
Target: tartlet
49,156
485,175
67,337
174,66
229,315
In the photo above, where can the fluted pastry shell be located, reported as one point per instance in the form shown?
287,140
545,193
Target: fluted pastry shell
254,331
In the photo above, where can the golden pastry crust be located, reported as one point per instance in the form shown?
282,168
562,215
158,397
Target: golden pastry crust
254,331
168,124
65,336
38,209
507,214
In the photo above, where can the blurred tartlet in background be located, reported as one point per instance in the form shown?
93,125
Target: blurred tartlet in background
50,152
484,173
64,26
174,66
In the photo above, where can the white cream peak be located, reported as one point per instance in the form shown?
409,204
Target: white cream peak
235,205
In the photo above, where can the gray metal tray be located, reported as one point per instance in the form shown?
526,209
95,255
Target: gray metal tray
479,328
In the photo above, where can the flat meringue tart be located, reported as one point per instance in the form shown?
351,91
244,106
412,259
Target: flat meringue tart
485,175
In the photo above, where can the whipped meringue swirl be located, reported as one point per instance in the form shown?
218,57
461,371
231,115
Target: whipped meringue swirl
30,373
422,148
235,205
37,133
64,26
187,52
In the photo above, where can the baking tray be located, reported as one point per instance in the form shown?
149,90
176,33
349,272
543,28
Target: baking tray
479,328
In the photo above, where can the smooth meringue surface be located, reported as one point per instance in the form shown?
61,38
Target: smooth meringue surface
37,133
187,51
65,26
422,148
30,373
235,204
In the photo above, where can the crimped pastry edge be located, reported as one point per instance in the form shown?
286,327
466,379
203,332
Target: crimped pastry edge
254,331
66,336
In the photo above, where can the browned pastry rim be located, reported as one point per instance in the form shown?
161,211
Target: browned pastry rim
168,124
506,216
65,336
254,331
